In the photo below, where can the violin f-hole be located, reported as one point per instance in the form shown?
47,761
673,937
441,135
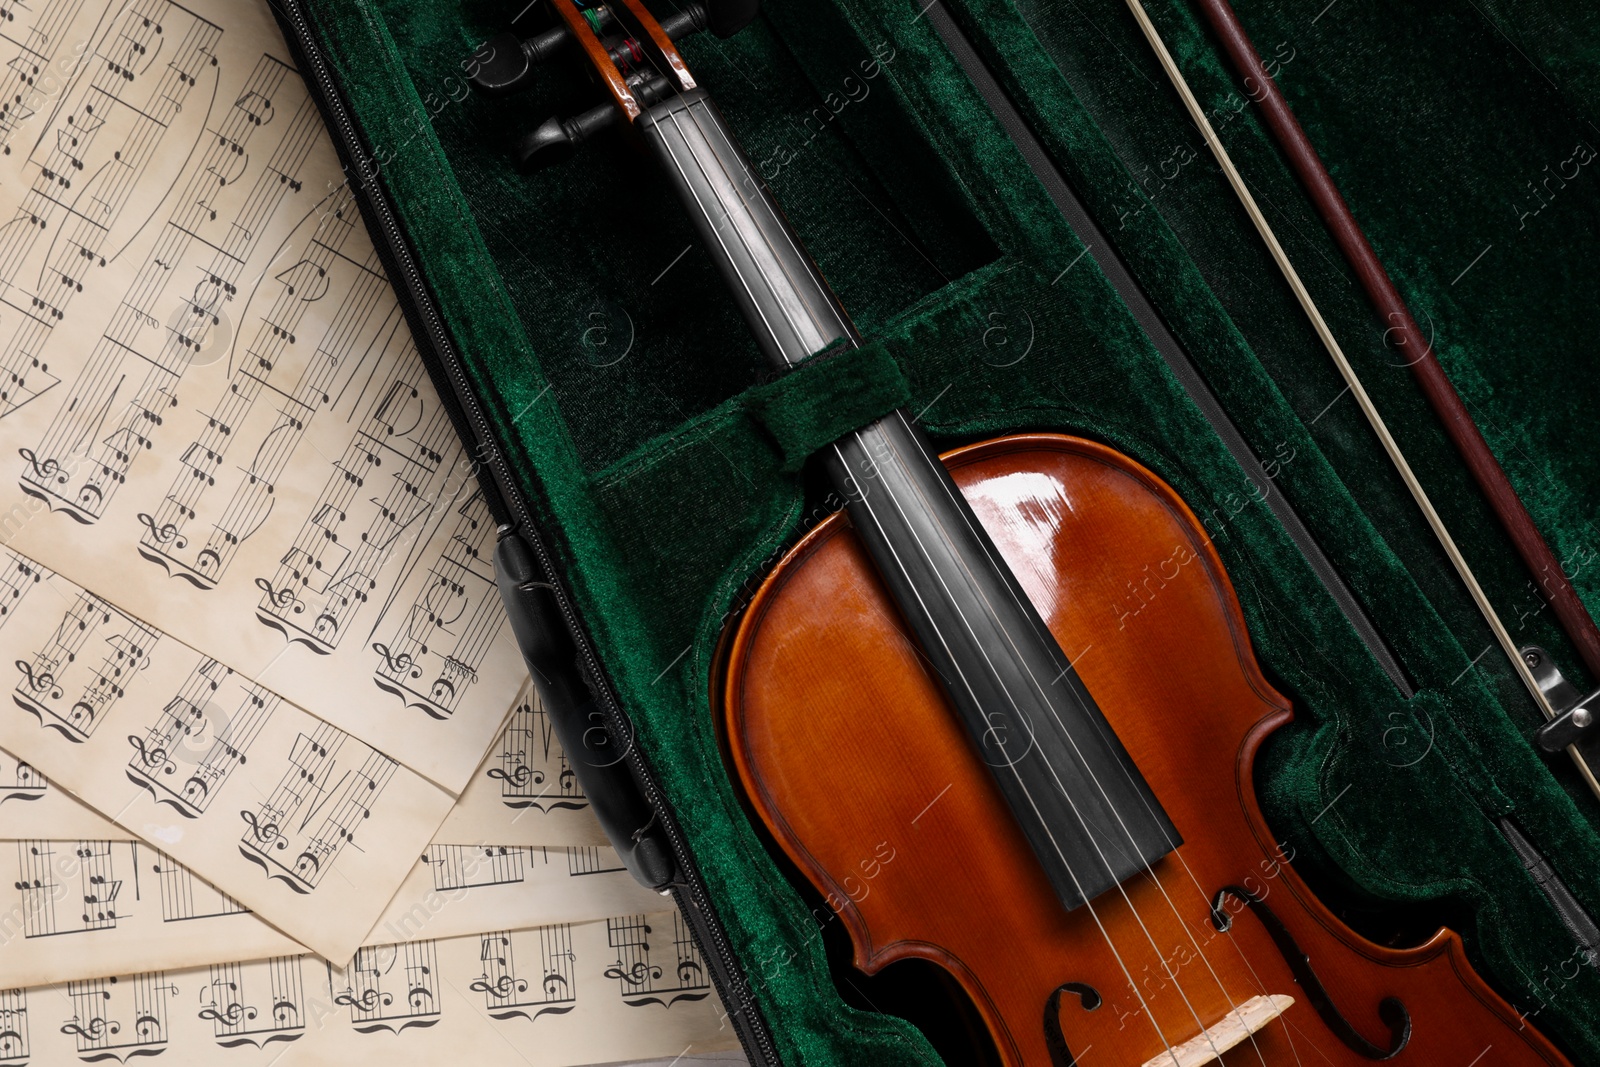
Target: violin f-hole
1054,1039
1390,1009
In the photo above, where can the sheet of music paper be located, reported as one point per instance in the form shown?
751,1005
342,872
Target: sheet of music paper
81,907
266,748
524,793
627,987
248,604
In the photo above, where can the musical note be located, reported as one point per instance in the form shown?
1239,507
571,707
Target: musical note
323,581
297,833
642,981
533,771
116,435
200,738
100,887
41,867
67,666
238,419
21,781
541,988
185,897
256,1003
551,989
470,866
228,383
111,1015
381,999
431,660
143,116
15,1043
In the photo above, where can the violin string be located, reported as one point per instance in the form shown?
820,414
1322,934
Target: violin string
1028,795
1149,870
1133,910
1099,923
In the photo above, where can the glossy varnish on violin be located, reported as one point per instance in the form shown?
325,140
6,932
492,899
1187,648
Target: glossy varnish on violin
850,754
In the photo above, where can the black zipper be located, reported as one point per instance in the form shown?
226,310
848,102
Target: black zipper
509,506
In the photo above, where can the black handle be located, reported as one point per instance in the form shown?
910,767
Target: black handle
595,754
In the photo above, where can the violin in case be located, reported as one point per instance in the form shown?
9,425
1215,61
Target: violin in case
1059,533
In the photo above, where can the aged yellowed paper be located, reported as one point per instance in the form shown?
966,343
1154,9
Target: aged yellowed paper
246,588
304,824
31,807
526,791
628,987
81,907
216,418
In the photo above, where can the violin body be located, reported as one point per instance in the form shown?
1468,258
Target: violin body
848,751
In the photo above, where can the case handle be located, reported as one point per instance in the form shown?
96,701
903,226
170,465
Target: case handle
630,822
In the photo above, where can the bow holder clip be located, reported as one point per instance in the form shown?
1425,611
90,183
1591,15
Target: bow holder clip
1576,714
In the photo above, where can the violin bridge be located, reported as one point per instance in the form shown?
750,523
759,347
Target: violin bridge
1235,1027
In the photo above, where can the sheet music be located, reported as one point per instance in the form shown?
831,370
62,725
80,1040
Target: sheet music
308,826
525,791
235,495
76,908
628,987
463,889
31,807
216,418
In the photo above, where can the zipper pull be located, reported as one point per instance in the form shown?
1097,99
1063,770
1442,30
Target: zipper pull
568,694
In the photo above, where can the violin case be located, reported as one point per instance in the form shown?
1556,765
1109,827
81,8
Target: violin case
648,469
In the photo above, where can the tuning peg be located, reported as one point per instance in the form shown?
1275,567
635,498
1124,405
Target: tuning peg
554,139
505,61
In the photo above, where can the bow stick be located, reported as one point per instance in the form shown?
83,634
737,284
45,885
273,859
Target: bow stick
1430,376
1535,553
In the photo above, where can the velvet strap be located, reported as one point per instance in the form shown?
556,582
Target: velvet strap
826,397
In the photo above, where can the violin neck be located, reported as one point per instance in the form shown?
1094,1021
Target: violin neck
784,299
1089,816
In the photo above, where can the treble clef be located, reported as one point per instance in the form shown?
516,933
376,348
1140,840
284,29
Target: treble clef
167,533
280,598
517,776
231,1016
48,469
265,832
38,682
151,757
637,975
501,987
367,1001
401,663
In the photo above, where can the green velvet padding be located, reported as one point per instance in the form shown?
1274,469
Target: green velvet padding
829,395
616,377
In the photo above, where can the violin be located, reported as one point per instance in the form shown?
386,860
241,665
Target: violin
973,770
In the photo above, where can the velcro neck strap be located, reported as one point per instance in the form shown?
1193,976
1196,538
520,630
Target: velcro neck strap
826,397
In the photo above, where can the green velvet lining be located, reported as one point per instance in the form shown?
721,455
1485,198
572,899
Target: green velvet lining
619,388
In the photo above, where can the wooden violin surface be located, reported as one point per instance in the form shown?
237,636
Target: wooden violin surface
847,750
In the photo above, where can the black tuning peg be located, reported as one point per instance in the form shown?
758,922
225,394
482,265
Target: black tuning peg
504,63
555,138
